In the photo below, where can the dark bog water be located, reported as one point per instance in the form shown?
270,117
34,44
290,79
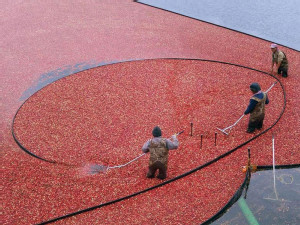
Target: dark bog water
265,203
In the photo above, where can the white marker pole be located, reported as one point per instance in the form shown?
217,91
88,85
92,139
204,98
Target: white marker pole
273,147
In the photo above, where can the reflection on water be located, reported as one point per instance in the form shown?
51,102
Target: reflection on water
277,204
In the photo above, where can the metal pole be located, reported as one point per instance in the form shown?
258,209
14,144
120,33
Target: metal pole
271,87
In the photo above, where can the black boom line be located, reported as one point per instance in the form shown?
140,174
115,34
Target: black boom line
179,176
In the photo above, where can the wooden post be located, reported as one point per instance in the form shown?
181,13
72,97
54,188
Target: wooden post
201,141
215,138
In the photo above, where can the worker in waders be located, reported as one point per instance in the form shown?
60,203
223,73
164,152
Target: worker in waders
280,60
159,151
256,108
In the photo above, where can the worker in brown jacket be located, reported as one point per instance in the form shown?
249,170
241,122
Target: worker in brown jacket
159,152
280,60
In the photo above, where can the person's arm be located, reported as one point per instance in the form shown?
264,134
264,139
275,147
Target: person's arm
172,144
145,147
280,58
251,106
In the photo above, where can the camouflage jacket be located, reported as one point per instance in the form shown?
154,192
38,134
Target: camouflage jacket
159,149
259,110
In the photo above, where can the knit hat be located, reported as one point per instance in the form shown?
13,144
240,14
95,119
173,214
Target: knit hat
156,132
254,87
273,45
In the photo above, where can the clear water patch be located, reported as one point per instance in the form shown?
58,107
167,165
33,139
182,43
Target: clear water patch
267,202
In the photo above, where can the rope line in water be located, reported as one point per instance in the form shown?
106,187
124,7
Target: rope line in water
282,179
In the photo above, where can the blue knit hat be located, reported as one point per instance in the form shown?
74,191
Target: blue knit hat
254,87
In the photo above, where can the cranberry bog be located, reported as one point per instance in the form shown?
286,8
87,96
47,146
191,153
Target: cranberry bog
104,106
103,115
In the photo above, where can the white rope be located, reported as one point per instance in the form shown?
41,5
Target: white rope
282,179
119,166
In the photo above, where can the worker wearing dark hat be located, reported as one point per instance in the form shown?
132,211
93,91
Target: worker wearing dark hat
280,60
256,108
159,151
